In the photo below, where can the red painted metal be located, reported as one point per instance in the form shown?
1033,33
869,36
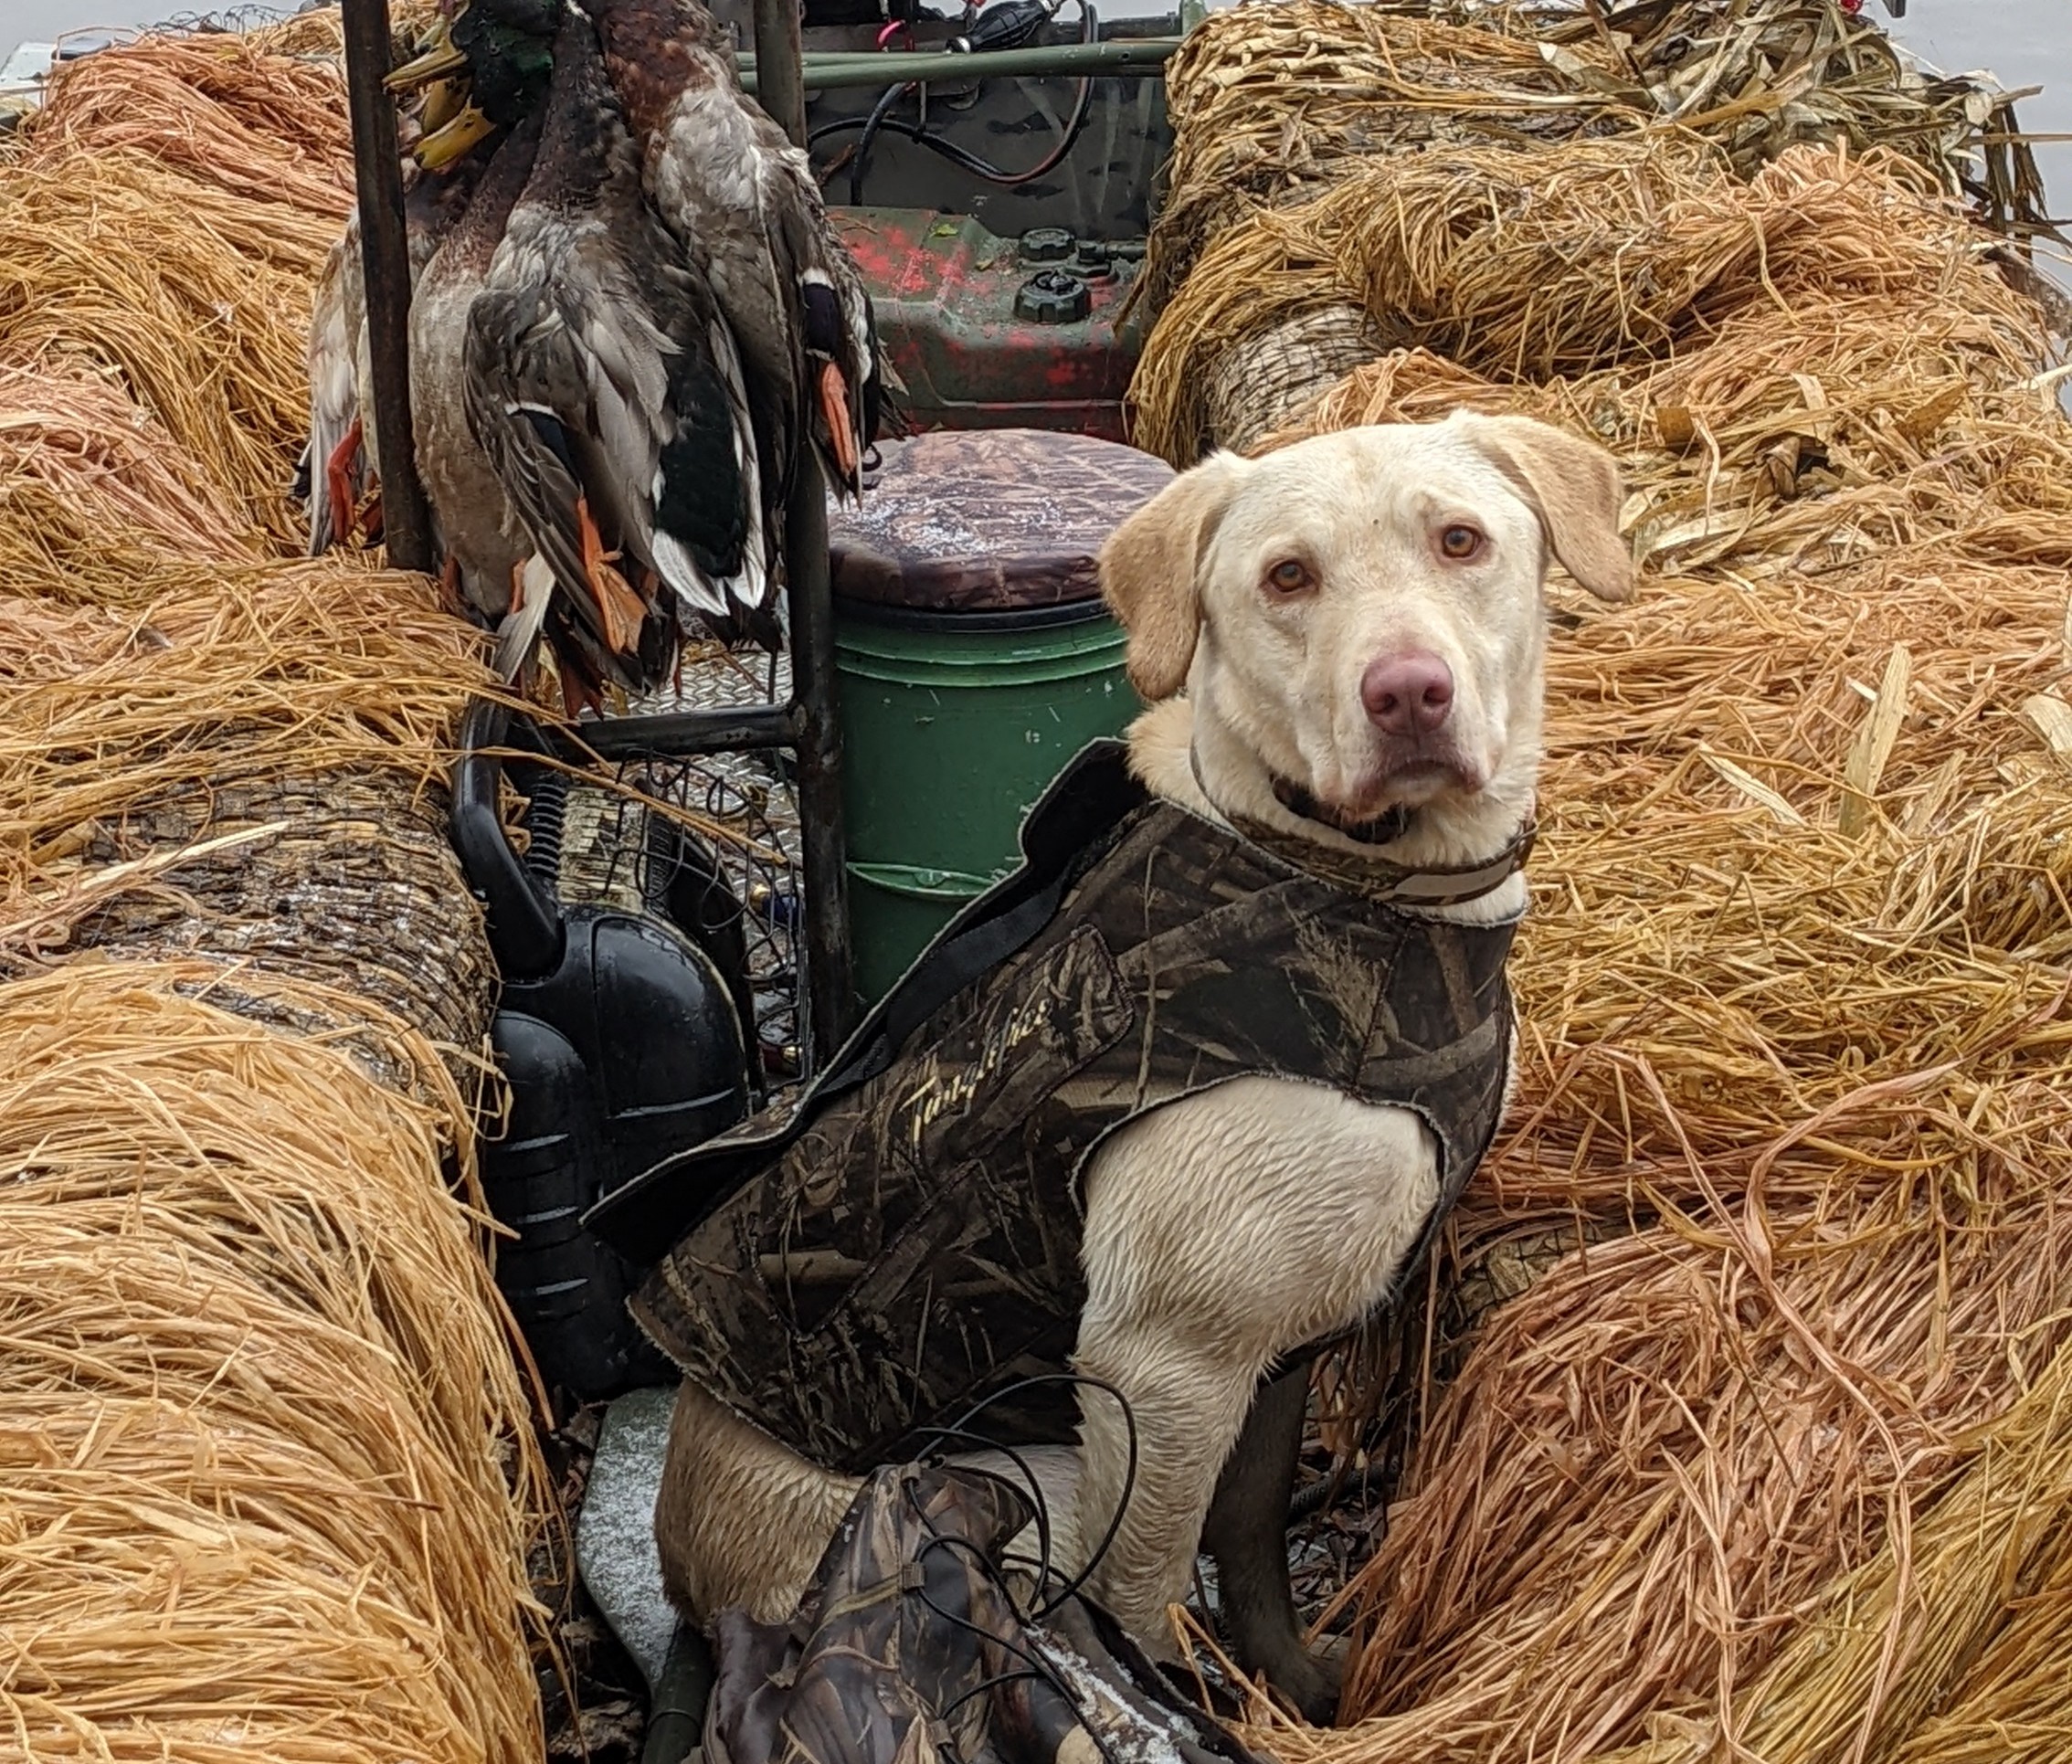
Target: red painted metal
944,289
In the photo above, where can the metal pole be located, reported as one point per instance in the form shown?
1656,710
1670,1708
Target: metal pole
384,253
779,55
1140,57
830,983
830,968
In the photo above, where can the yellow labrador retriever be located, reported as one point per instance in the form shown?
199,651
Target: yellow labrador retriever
1344,636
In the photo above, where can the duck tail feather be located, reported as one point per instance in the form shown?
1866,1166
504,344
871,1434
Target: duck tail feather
519,633
695,591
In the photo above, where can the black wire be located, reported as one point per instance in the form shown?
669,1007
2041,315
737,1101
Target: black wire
1039,1505
938,1541
881,121
870,127
1122,1503
985,1684
959,1426
1038,1666
1034,1664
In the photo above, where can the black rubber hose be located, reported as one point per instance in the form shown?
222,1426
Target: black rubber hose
881,121
872,125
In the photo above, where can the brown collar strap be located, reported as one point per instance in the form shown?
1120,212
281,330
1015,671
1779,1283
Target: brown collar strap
1384,828
1375,877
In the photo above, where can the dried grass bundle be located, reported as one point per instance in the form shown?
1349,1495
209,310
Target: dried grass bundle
320,31
39,636
1677,1441
317,663
85,470
1272,103
1975,1675
249,768
270,1474
1577,259
197,298
221,109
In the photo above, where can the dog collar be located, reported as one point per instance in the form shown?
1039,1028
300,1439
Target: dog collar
1373,876
1384,828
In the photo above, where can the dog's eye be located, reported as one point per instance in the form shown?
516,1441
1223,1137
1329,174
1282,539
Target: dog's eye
1459,543
1288,577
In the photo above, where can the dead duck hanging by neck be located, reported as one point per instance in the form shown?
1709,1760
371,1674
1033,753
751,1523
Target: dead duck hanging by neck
606,389
722,173
477,530
452,115
341,464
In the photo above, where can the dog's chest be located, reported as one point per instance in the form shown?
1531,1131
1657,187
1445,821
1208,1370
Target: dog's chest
919,1245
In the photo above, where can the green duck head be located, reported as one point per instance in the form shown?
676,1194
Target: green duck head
484,69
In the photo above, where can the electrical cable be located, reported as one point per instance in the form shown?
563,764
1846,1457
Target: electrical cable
961,1424
872,125
881,121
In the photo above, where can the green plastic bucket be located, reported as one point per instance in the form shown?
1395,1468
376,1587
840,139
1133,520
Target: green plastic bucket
952,725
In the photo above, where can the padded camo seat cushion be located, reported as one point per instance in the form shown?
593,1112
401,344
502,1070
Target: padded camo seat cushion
988,520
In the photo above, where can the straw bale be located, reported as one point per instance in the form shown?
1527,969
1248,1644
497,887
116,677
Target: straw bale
249,769
1273,99
267,1479
221,109
198,297
1273,102
1527,267
83,469
1671,1444
320,31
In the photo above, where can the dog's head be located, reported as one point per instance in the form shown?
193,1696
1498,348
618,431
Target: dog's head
1362,611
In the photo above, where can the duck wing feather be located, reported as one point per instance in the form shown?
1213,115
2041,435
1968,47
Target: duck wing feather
585,386
334,392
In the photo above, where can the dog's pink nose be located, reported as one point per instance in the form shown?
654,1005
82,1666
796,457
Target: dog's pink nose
1407,694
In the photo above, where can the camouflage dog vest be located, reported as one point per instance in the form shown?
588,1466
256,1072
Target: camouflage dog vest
906,1241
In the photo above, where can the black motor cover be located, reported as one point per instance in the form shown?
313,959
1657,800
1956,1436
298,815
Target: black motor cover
621,1040
629,1051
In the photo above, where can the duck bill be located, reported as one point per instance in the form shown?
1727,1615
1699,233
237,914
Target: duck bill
441,148
439,62
444,100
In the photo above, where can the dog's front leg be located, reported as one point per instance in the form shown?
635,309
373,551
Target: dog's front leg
1247,1533
1188,1401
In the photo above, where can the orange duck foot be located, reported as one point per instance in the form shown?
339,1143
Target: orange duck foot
624,612
338,480
834,407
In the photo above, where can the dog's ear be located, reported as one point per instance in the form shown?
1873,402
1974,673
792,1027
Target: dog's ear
1573,486
1150,572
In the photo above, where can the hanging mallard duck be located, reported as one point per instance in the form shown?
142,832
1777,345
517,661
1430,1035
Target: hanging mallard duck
722,171
745,218
475,528
449,117
607,391
342,467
